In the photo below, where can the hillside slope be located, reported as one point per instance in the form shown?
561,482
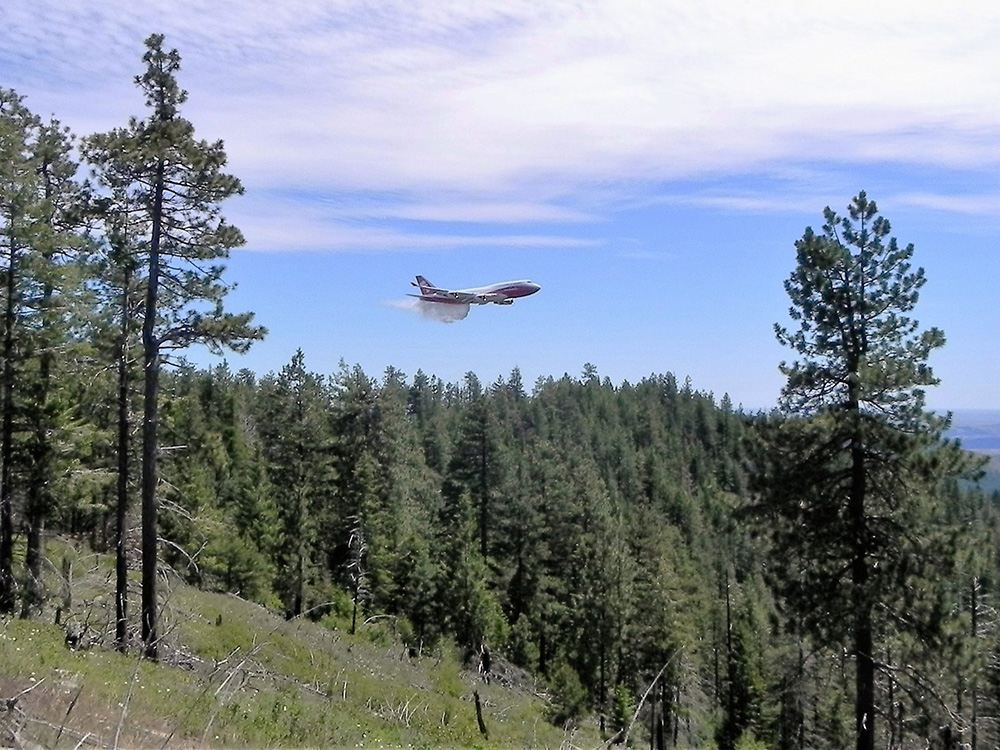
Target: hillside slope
237,675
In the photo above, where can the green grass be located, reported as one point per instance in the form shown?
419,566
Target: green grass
233,674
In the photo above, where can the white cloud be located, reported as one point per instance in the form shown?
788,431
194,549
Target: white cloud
476,100
461,210
972,205
271,225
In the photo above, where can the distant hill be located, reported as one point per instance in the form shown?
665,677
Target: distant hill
978,429
991,482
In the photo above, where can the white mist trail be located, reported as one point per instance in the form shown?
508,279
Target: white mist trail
438,311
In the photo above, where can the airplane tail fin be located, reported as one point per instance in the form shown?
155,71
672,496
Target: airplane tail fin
424,285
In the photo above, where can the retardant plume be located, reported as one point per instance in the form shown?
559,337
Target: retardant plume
439,311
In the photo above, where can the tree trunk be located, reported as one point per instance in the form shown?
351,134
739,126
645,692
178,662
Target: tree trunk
150,430
7,438
864,710
479,716
864,707
974,728
67,575
730,671
32,601
662,718
121,507
299,595
39,500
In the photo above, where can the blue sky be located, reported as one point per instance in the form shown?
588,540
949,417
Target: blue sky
650,164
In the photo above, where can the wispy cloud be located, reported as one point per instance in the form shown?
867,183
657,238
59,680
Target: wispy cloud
460,104
972,205
291,227
361,222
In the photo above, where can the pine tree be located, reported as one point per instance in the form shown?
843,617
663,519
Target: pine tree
179,184
57,244
245,497
845,485
402,492
40,206
469,608
293,421
426,405
474,467
18,191
119,290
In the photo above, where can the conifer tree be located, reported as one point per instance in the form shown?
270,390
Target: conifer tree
18,186
293,422
469,608
120,273
179,183
405,491
119,292
474,466
40,204
426,405
56,242
843,495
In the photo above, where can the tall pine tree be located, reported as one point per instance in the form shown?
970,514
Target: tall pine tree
293,417
18,187
50,301
179,183
40,207
843,496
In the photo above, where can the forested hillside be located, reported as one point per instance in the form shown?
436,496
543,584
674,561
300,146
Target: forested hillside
588,532
682,573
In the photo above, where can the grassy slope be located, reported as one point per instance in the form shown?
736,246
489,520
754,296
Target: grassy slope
234,674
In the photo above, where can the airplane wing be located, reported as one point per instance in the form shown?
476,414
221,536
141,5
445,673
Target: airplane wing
434,294
467,298
440,299
497,298
464,297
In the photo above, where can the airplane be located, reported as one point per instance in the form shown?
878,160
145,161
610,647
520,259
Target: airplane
503,293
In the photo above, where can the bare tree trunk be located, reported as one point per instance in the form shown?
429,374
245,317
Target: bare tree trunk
864,707
67,575
662,719
121,506
150,430
32,601
891,713
39,501
479,716
652,723
975,670
7,437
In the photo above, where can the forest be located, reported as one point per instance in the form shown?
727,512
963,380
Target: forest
818,576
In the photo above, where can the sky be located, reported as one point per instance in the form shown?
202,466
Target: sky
650,163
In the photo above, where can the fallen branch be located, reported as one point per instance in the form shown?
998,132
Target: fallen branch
628,730
479,716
